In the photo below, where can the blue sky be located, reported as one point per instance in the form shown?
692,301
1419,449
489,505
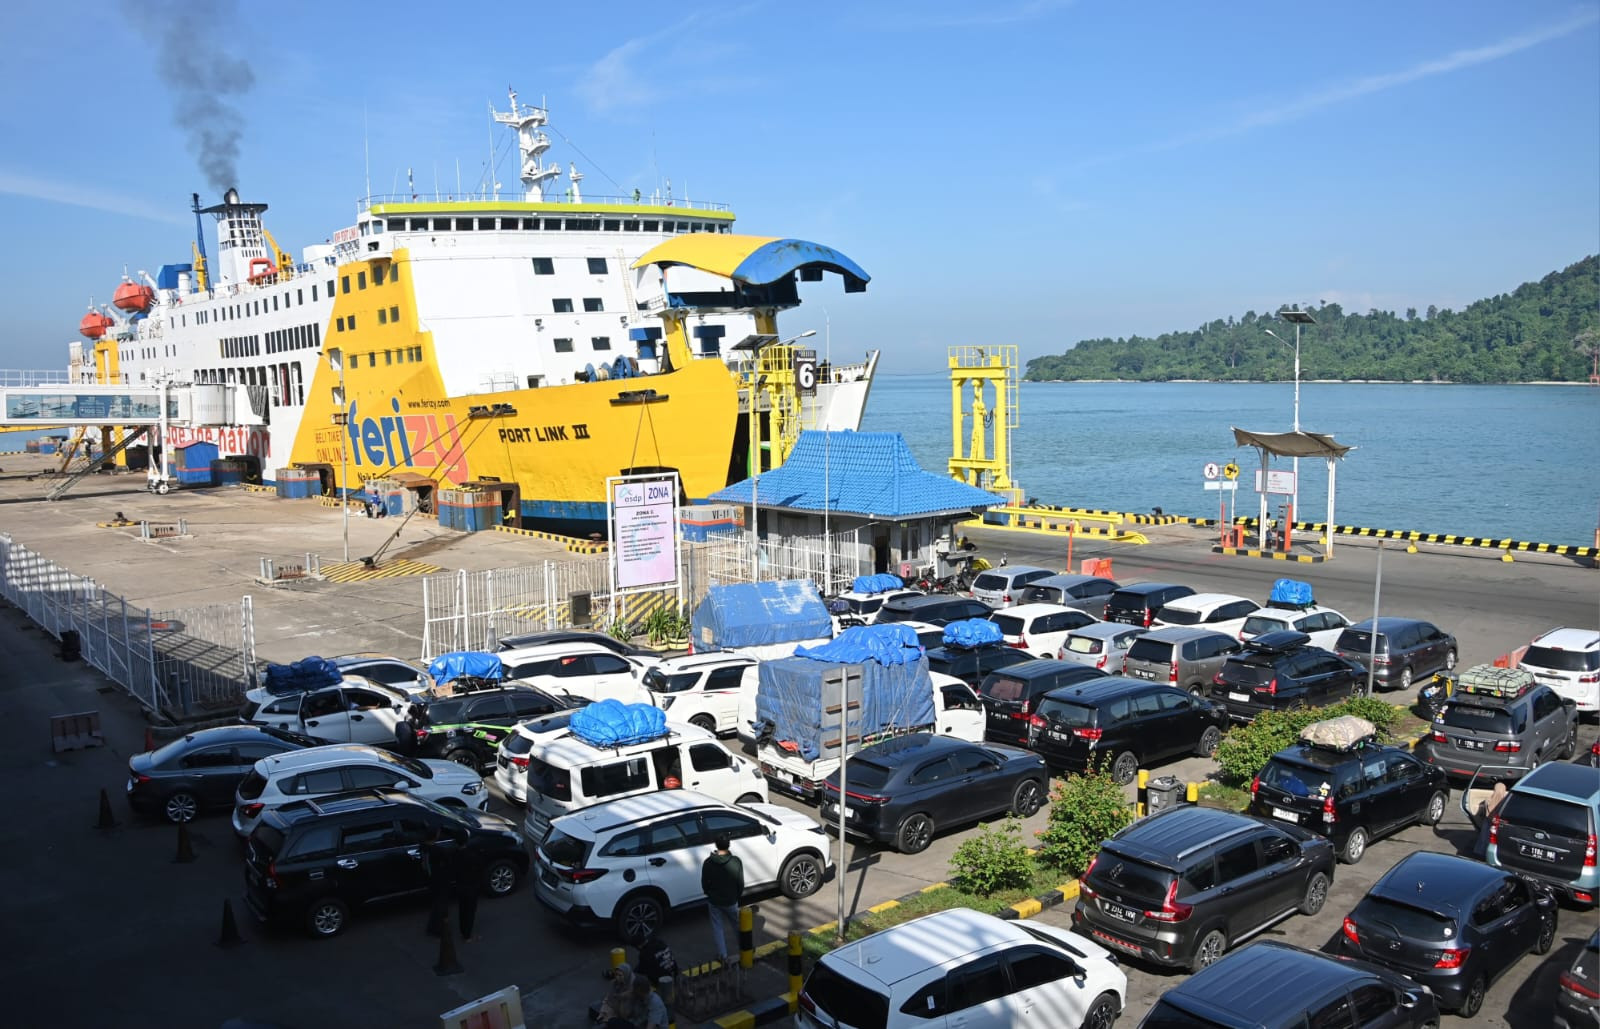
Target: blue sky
1025,171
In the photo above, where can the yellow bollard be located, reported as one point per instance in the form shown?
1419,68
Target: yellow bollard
1142,795
747,937
618,956
794,967
1193,795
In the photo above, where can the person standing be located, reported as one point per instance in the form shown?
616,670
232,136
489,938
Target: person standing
439,856
469,884
722,881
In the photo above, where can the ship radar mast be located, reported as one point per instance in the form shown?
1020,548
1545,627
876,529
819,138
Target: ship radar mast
536,175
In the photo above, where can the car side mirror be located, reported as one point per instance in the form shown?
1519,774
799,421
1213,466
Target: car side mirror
1408,1001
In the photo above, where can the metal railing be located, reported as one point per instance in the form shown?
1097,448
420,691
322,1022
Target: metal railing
832,562
513,201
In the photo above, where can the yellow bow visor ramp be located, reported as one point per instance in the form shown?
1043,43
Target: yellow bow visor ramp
756,260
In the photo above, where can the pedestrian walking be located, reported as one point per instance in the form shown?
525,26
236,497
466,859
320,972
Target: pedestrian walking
469,885
722,880
438,856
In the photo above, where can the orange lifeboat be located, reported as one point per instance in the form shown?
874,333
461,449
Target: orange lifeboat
94,325
133,297
262,270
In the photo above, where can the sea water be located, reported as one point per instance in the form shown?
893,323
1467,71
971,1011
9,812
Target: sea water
1502,461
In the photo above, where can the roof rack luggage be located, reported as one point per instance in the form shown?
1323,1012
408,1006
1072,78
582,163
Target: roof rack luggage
1344,733
972,632
1489,681
1291,594
611,723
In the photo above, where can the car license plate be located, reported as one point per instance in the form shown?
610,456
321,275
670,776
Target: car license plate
1141,673
1537,853
1287,816
1471,744
1118,912
1243,698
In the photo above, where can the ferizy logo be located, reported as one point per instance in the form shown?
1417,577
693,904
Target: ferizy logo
423,441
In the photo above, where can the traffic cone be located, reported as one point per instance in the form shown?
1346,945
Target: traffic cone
448,963
107,819
185,852
229,936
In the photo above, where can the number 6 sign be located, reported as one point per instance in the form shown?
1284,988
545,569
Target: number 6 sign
805,371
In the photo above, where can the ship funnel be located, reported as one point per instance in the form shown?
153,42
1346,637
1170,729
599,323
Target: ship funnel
231,196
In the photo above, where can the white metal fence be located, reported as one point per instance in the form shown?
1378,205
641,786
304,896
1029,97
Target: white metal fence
832,562
176,663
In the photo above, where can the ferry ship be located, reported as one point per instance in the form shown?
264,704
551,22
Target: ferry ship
543,340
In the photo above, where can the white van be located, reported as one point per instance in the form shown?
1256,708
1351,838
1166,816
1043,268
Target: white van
701,689
565,774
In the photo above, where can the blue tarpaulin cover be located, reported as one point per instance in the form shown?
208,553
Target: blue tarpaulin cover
972,632
880,583
756,613
1290,593
308,673
476,663
611,723
896,692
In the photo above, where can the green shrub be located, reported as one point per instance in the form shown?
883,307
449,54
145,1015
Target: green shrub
1084,810
1244,751
994,860
1375,710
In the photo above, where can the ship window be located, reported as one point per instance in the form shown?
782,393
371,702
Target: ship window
563,345
530,223
416,353
394,273
613,225
355,360
543,266
344,283
441,225
397,224
313,294
377,275
339,324
593,304
299,386
388,357
394,313
316,334
383,316
600,342
352,321
300,297
419,225
552,225
561,305
361,281
630,226
651,225
535,381
597,266
486,224
463,224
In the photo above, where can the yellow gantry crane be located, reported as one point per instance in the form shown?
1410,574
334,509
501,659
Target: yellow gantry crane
983,459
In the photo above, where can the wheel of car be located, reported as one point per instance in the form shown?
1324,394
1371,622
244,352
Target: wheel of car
1196,691
1210,948
1472,1000
463,757
1028,797
180,806
1316,894
500,878
1355,845
800,876
1449,661
638,917
1435,809
705,722
1405,678
327,917
1208,741
1102,1013
1124,768
916,832
1547,937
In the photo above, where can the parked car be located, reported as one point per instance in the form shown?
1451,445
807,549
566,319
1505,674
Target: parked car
1546,829
1568,661
1352,794
1578,1001
318,771
964,968
973,664
1084,592
525,640
1002,587
1040,629
1281,670
1123,724
1272,985
1219,612
581,670
394,672
1407,650
628,863
201,770
1101,645
1502,724
1323,624
902,791
1182,656
1450,923
852,608
313,861
354,711
1137,604
934,608
468,727
701,689
1011,695
1181,887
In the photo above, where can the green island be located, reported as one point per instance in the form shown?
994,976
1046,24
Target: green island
1545,331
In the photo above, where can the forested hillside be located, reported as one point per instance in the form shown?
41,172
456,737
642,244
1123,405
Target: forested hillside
1545,330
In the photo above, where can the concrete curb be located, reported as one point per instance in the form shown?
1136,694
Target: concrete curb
1275,555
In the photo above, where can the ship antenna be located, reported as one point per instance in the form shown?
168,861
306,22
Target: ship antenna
366,149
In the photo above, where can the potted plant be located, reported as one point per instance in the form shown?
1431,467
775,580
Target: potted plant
620,629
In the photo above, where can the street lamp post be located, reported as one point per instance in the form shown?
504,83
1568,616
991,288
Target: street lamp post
341,418
1299,318
755,454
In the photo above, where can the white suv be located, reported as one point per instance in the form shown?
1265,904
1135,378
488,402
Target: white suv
588,671
1322,624
1219,612
701,689
1568,661
317,771
963,967
629,862
1040,629
356,710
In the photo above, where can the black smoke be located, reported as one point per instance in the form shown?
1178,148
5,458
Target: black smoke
191,43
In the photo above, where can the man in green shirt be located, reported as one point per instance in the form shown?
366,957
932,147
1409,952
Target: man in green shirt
722,880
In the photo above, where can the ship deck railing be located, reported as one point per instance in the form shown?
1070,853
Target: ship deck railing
366,203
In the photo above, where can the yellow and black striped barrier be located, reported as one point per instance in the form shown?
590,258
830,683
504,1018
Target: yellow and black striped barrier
572,543
360,571
1412,536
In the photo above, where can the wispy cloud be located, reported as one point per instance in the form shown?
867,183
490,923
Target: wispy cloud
54,192
617,80
978,17
1329,96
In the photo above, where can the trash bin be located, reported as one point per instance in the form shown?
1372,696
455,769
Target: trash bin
1164,792
579,605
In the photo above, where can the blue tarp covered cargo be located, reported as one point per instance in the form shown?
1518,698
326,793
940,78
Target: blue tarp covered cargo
1290,593
972,632
883,582
611,723
896,692
760,613
308,673
457,663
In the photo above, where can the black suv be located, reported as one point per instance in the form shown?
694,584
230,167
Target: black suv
933,608
972,664
1450,923
1119,723
1181,887
312,861
1138,604
1012,695
1272,985
467,727
1277,671
1352,796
